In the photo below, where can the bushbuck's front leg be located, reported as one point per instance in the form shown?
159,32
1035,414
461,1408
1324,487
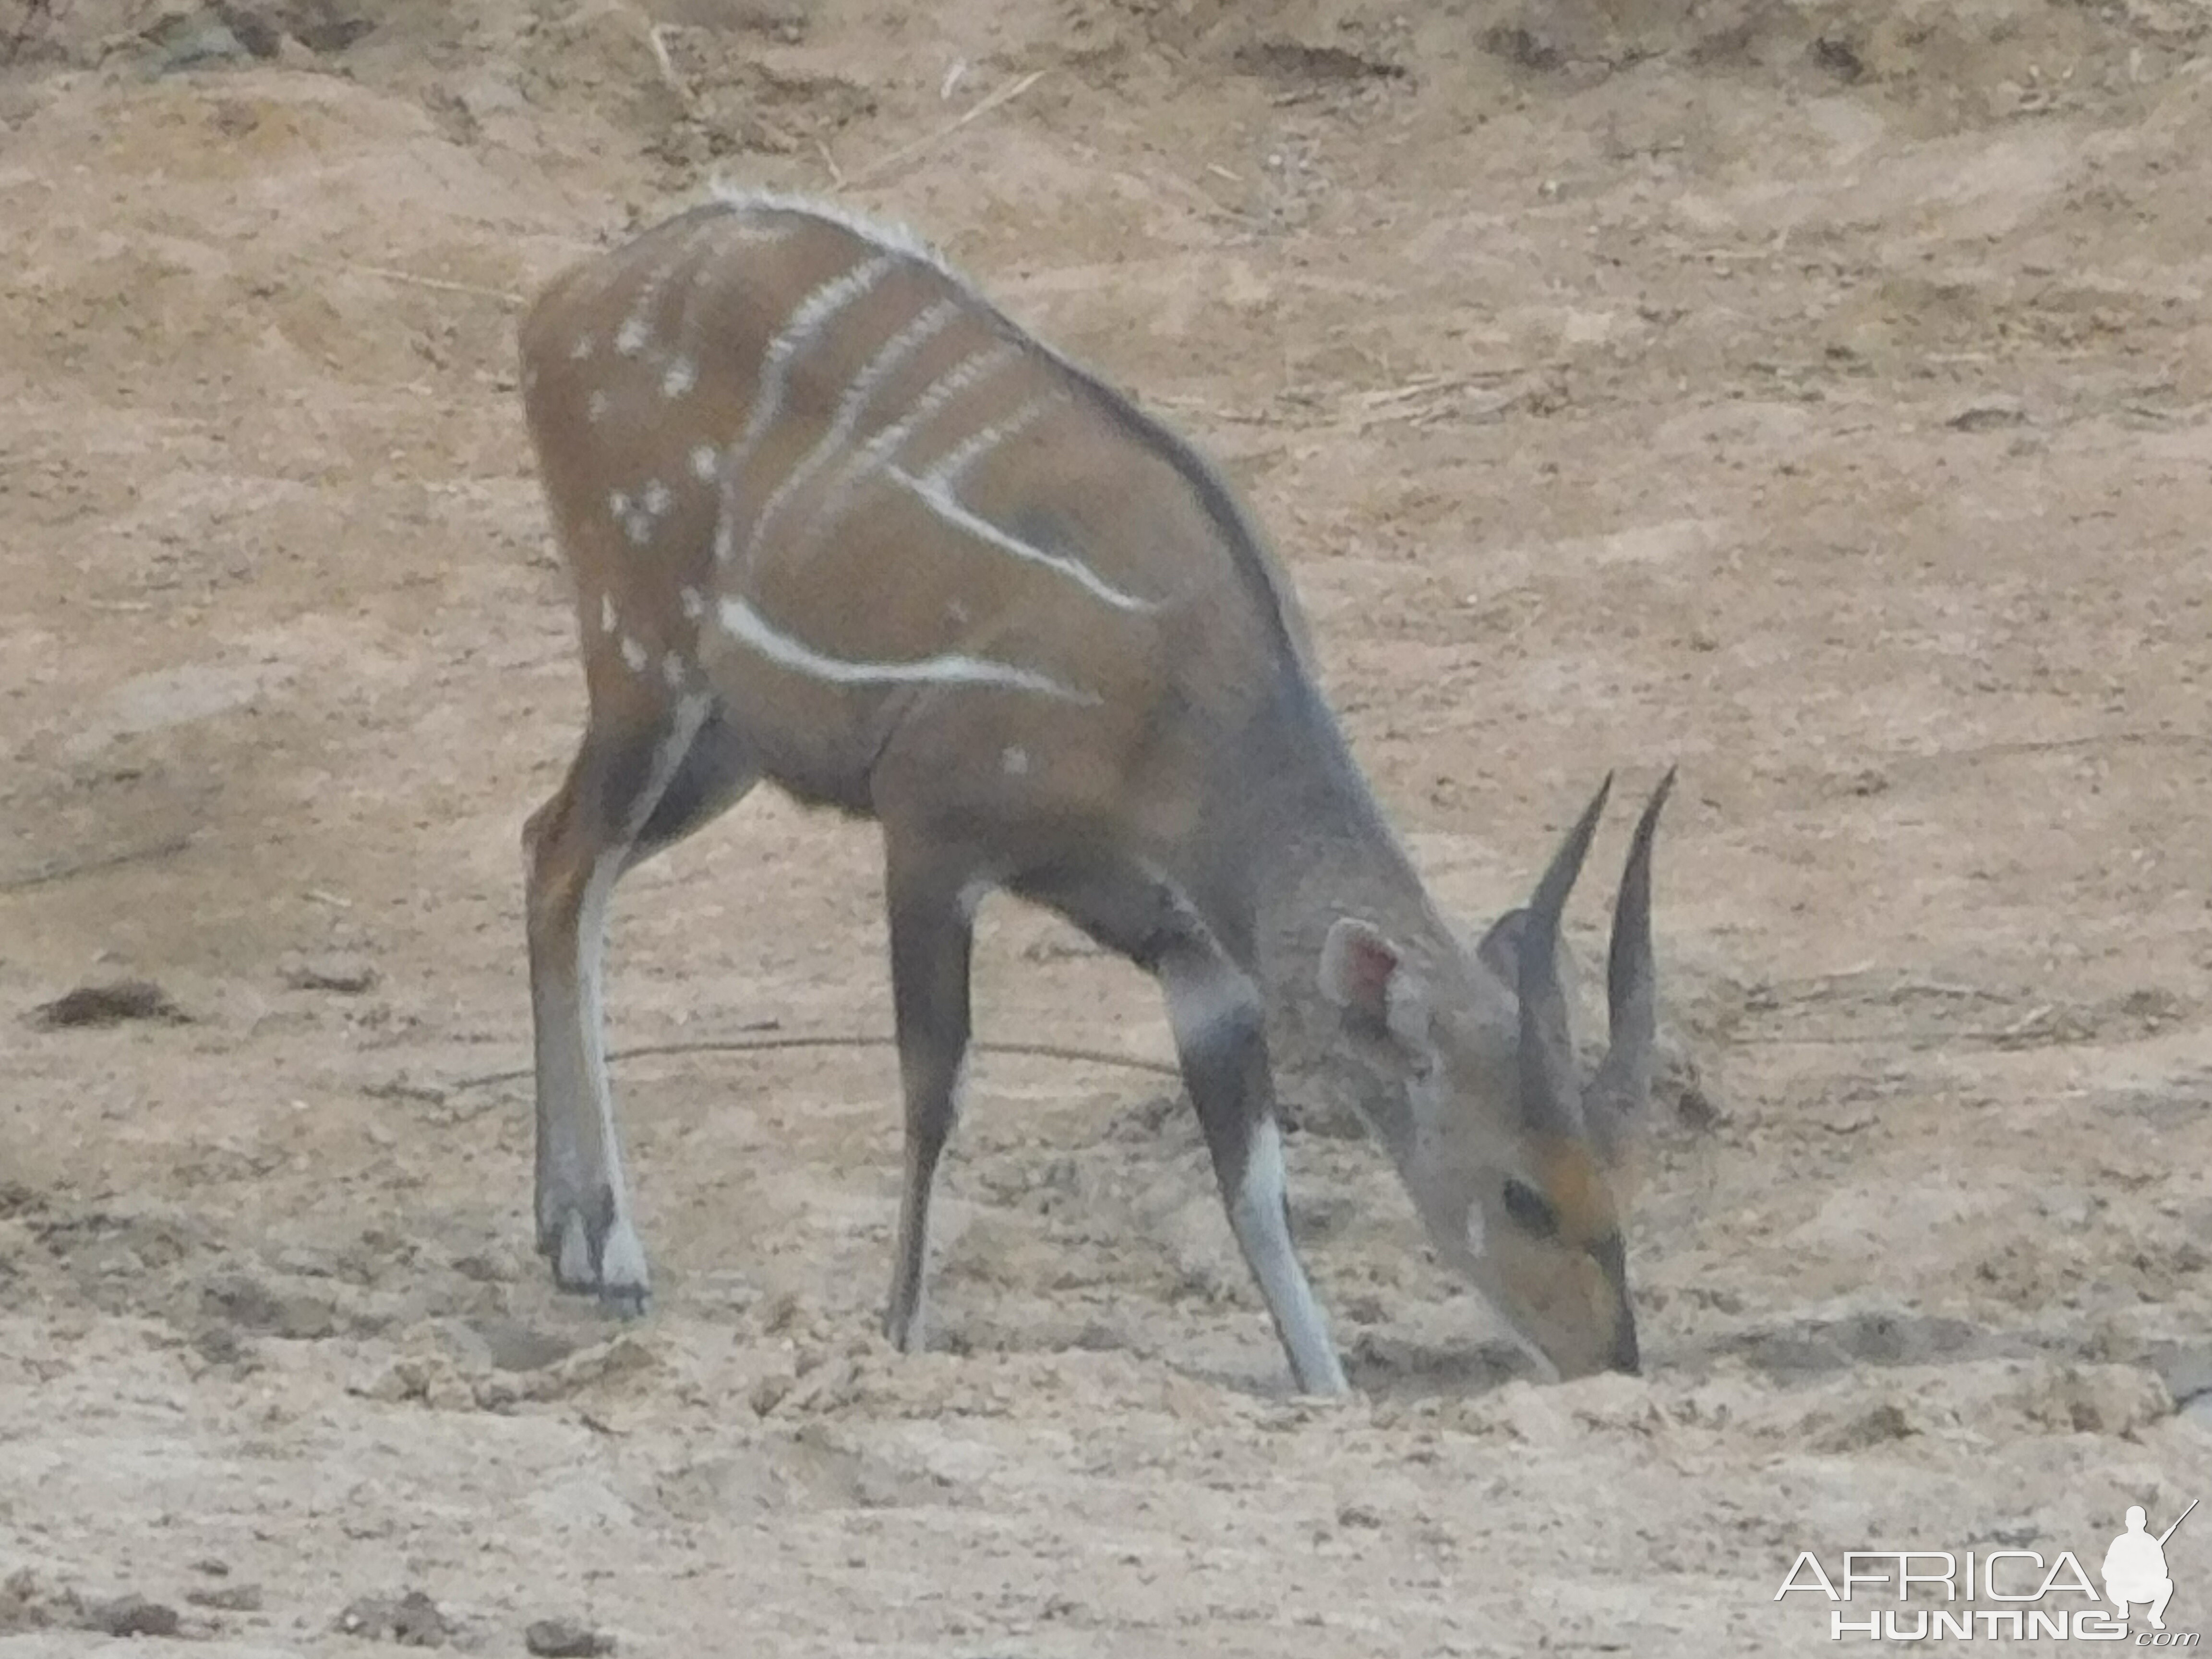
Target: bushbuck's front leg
1221,1037
933,938
578,844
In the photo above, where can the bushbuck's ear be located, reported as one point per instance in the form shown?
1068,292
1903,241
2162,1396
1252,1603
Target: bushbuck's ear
1363,973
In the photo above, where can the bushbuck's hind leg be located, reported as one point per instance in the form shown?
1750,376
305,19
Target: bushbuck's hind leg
642,780
933,939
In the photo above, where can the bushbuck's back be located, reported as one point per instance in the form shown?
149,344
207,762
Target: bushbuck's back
810,465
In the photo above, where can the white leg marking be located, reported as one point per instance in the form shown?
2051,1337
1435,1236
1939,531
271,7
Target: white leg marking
806,326
896,353
1257,1215
886,445
621,1256
934,493
705,463
747,626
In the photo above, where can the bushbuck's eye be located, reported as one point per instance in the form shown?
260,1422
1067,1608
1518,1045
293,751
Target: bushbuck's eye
1531,1211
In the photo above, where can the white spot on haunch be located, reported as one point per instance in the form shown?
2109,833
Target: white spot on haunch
748,627
657,497
633,655
629,338
607,613
694,603
705,463
595,410
617,505
1015,761
679,378
582,349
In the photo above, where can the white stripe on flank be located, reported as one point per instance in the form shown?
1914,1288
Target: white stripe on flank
933,492
886,444
805,326
748,627
949,471
880,368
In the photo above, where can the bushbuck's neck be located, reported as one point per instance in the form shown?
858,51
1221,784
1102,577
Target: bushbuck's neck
1321,849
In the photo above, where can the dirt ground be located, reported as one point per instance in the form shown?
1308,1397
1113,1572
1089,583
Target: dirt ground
1817,395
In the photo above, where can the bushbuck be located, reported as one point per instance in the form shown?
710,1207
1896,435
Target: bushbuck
836,521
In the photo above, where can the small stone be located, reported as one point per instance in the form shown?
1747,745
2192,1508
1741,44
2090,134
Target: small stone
130,1615
227,1598
412,1622
108,1004
564,1638
344,976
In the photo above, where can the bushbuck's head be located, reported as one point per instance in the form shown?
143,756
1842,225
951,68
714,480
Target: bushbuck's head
1519,1169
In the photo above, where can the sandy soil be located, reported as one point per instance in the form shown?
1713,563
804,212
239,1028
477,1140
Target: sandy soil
1817,394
